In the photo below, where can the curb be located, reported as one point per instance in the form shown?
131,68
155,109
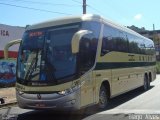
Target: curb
8,104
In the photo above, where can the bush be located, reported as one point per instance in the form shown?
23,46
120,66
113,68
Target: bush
158,67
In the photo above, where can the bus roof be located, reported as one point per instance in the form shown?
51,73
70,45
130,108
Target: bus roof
65,20
85,17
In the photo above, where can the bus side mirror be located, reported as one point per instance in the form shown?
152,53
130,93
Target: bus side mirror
6,48
76,39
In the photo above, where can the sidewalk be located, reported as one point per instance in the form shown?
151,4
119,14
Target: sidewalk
9,95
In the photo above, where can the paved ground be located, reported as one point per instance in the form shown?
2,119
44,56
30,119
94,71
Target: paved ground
135,105
9,94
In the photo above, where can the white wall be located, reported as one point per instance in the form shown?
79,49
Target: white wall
8,33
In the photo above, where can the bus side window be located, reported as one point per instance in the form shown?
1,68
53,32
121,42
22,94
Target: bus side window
107,42
113,40
122,42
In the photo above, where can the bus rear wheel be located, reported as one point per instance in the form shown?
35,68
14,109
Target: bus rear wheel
146,85
103,98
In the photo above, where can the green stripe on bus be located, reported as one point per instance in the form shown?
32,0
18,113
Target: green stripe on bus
114,65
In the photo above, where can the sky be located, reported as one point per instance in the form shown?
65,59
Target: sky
141,13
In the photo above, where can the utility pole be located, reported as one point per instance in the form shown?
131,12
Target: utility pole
157,43
153,27
84,6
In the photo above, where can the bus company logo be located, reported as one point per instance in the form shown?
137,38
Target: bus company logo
4,33
39,96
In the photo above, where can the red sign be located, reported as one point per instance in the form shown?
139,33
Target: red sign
35,34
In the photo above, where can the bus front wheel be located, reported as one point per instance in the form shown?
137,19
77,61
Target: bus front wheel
103,98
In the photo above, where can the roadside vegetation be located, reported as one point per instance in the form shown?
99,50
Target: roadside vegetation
158,67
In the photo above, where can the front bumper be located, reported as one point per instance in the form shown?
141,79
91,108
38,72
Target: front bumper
49,101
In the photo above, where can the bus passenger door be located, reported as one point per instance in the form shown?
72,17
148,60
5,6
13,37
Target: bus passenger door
87,93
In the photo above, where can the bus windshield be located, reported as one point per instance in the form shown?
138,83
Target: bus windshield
45,57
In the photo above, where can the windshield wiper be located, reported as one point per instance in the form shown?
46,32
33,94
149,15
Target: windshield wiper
32,68
36,59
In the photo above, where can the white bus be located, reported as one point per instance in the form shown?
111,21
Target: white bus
75,62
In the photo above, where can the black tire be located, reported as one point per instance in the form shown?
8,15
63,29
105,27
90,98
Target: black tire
146,85
103,98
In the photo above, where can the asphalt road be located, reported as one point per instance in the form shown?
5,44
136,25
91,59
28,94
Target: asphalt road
135,105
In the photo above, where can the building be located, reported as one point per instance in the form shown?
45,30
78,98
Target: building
8,33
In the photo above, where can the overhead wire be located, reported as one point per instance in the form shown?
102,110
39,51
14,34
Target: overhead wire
43,3
103,13
77,2
95,9
36,9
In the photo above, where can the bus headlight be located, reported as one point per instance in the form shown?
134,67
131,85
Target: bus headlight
68,91
65,92
20,92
